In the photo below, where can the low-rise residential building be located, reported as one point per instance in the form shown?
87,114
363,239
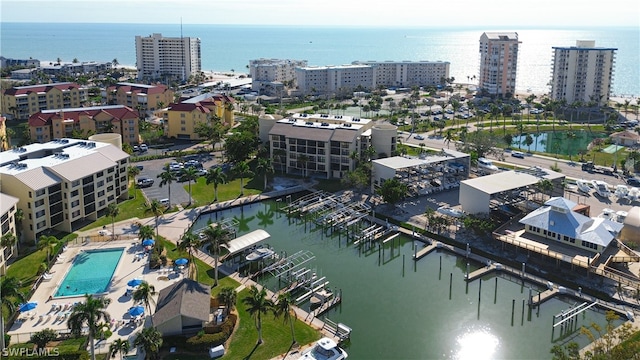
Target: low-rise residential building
23,101
268,76
47,125
322,145
146,98
8,229
327,80
182,119
54,68
408,73
423,175
63,184
6,62
182,308
625,138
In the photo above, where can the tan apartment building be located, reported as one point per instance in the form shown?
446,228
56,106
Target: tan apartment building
63,184
582,73
269,76
322,145
47,125
498,63
23,101
4,140
181,119
141,97
8,208
327,80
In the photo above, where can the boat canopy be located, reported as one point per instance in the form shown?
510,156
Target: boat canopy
246,241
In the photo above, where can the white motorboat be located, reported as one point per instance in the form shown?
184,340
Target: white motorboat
260,253
584,186
445,210
602,188
621,191
486,166
325,349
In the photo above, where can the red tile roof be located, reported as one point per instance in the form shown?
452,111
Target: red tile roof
118,114
23,90
189,107
142,89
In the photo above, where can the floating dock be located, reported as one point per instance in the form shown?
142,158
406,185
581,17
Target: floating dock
481,272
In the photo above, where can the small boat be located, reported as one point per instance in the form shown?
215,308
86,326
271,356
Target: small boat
325,349
602,188
260,253
621,191
584,186
320,297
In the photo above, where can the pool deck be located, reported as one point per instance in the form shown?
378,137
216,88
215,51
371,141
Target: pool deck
44,316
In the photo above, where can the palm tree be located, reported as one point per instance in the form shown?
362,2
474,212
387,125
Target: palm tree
214,237
279,154
266,168
449,137
166,178
48,242
145,232
545,186
144,293
150,339
190,174
11,295
156,208
228,296
132,172
258,304
303,160
120,346
241,170
89,313
190,241
8,240
284,307
216,177
113,211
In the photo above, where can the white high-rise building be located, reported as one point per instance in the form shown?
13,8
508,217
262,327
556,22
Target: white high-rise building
158,56
582,73
268,76
498,63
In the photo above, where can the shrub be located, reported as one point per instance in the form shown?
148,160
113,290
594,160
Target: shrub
206,341
41,338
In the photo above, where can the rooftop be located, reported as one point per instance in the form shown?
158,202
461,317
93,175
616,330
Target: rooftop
510,180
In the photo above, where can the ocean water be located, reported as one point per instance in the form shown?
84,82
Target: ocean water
226,47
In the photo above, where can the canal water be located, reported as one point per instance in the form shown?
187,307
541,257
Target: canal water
401,310
556,142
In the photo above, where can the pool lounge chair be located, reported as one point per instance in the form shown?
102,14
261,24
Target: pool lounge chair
46,277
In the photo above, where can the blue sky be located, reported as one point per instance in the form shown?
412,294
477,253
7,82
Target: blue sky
494,13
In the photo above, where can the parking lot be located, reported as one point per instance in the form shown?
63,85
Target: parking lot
152,168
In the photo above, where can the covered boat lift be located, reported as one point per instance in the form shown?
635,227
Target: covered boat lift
246,241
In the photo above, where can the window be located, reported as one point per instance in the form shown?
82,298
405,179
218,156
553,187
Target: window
40,214
75,203
38,203
75,183
40,192
74,193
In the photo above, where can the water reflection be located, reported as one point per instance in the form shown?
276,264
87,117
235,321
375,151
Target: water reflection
476,344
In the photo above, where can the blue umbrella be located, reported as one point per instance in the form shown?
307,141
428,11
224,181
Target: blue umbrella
136,311
134,282
28,306
181,261
148,242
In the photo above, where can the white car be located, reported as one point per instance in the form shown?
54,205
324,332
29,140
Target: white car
104,232
419,137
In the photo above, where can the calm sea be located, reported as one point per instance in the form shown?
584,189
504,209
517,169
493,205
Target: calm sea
226,47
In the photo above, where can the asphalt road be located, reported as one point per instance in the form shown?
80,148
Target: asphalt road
152,168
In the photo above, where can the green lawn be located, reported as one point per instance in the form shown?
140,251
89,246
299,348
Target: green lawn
134,207
276,335
203,194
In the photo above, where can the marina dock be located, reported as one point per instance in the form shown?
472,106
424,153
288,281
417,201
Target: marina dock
544,296
426,250
481,272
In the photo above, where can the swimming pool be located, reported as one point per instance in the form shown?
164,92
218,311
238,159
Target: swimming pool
90,273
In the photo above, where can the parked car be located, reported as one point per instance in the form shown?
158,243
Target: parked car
518,154
143,147
634,181
419,137
145,182
136,148
164,202
140,167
